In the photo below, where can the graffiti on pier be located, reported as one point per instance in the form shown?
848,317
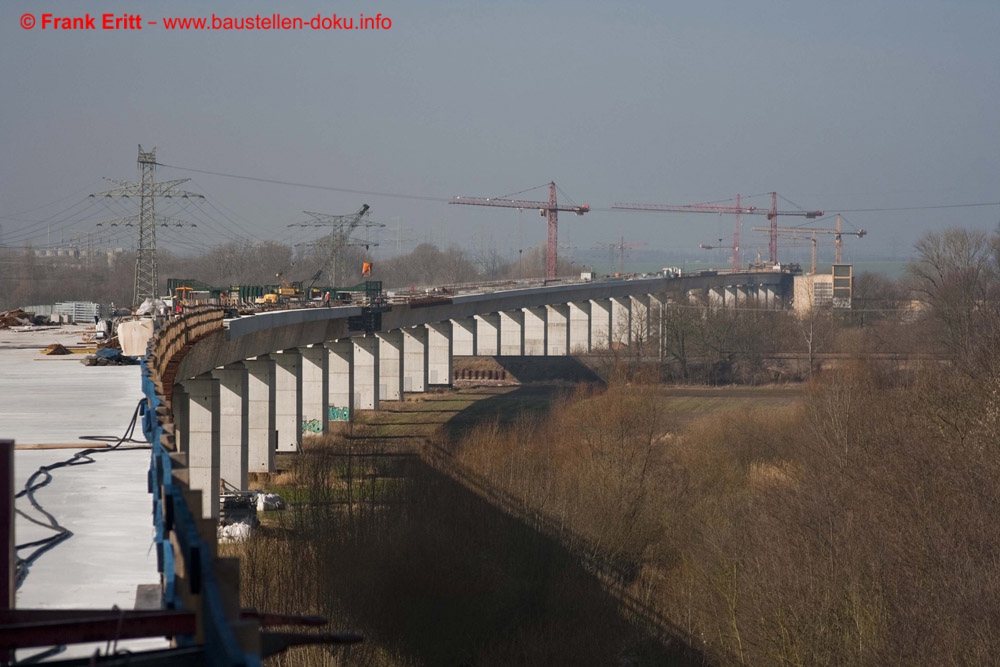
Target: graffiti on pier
340,414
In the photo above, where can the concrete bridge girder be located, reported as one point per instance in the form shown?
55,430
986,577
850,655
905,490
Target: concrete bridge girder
251,390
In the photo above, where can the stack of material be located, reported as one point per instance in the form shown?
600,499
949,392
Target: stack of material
107,356
15,318
56,348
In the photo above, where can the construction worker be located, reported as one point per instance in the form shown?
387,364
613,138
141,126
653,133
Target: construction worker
326,299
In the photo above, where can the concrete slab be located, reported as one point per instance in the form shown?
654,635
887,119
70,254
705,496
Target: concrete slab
56,400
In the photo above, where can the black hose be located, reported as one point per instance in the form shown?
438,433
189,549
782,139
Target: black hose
43,476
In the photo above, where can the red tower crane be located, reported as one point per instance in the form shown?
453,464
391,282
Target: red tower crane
772,215
548,210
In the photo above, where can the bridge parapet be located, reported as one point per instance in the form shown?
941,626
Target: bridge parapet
192,577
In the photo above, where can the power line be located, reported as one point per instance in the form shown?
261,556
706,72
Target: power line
311,186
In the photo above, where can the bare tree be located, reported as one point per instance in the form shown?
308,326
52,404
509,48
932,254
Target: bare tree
956,277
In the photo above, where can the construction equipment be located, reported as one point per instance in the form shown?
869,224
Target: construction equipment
548,210
288,290
739,210
837,239
341,227
800,237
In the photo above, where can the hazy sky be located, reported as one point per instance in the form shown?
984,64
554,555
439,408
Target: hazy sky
854,104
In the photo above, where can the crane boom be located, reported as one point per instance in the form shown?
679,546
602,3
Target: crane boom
810,230
542,206
771,213
838,247
548,210
709,208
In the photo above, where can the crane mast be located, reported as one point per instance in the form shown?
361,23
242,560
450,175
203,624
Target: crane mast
549,211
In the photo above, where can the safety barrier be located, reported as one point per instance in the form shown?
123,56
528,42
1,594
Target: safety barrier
192,576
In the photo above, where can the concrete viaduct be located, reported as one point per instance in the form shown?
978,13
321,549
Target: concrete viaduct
258,384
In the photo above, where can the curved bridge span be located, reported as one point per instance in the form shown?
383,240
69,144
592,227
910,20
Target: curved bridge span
225,395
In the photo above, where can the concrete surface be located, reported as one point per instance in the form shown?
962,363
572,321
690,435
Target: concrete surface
56,400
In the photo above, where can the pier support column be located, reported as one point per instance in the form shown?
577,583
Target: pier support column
203,441
288,400
439,351
179,406
640,319
600,324
557,330
463,337
534,331
511,333
770,299
340,380
315,390
621,320
390,365
262,433
365,372
579,327
415,359
234,424
488,334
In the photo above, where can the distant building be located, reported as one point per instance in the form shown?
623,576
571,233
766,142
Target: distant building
824,290
75,253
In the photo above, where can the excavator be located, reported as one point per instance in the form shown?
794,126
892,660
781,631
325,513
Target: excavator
288,291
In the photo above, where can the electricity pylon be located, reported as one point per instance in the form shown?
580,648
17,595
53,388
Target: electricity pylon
147,190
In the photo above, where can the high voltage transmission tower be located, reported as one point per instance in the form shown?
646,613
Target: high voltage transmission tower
147,190
341,227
